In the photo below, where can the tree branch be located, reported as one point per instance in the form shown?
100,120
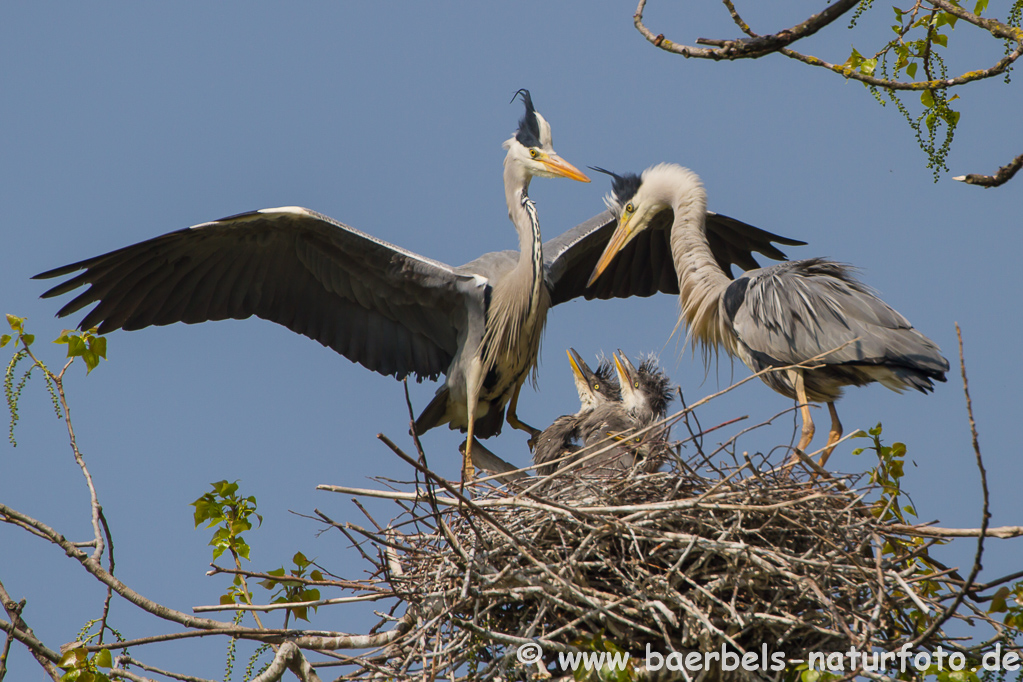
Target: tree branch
1001,176
758,46
752,48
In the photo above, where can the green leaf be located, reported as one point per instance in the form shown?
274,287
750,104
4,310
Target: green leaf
911,70
98,345
103,659
4,340
75,346
17,323
941,39
979,8
927,98
91,360
998,603
29,339
69,659
854,60
226,599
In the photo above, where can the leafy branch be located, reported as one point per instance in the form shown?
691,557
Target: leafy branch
920,30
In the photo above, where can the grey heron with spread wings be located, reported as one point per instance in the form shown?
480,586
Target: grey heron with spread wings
809,312
393,311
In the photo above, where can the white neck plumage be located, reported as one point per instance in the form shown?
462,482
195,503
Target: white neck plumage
701,282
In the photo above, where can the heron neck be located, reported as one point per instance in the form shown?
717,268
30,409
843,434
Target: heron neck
522,213
701,281
519,303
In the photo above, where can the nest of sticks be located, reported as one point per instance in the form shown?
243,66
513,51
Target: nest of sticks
752,558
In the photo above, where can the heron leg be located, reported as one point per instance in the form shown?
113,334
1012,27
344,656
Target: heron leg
472,390
804,409
514,421
833,435
468,470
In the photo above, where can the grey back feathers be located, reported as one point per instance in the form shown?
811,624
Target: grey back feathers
788,313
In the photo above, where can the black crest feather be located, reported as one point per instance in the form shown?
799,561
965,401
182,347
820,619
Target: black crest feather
623,187
528,133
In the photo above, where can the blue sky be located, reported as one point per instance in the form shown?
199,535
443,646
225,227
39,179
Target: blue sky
122,121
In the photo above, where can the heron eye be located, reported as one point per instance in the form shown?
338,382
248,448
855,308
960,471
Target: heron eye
635,385
596,387
629,208
534,153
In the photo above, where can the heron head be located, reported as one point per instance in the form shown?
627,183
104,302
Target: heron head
655,387
628,379
532,146
646,391
635,206
594,388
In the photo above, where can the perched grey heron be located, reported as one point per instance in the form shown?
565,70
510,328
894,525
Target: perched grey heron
609,408
793,313
389,309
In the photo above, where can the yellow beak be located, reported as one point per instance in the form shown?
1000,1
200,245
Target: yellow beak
557,165
622,236
575,365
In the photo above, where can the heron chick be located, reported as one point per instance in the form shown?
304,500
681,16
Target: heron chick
604,417
595,388
811,313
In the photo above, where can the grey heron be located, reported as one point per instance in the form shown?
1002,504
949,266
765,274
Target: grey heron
645,395
609,408
391,310
594,388
792,313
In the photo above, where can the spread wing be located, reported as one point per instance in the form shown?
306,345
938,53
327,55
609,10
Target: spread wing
645,266
391,310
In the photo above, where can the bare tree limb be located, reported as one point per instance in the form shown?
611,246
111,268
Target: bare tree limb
1000,177
1003,532
756,46
288,658
19,630
128,660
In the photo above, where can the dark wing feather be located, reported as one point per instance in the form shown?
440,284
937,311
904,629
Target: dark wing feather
386,308
645,266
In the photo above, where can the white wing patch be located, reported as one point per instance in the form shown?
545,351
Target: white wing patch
294,210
